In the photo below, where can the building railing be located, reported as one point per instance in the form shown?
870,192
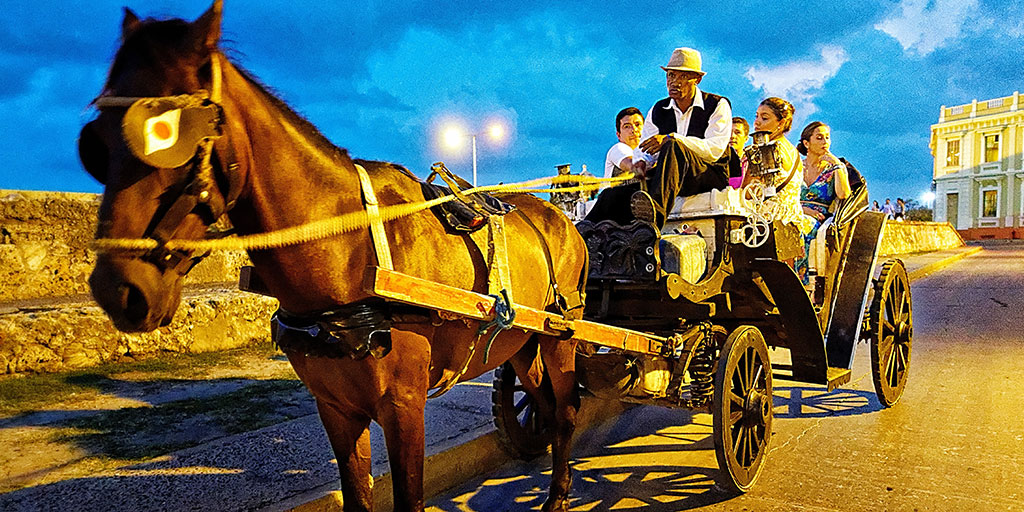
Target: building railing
980,108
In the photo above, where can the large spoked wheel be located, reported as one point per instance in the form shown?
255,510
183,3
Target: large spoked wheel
892,332
742,408
523,430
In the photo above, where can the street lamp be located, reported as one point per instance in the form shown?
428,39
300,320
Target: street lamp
454,135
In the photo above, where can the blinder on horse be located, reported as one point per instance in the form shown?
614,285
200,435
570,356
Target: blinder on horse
171,132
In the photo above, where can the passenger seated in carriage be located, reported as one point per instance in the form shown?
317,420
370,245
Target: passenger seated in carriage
621,159
689,132
825,180
775,116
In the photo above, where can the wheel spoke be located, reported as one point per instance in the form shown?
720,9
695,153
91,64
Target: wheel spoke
735,400
751,363
528,416
735,416
739,444
898,300
521,404
890,363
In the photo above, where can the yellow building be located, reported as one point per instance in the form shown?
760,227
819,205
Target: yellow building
978,173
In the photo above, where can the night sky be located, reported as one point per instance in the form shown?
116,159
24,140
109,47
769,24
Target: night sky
378,78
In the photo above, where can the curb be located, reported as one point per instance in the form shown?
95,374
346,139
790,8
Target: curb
941,264
450,467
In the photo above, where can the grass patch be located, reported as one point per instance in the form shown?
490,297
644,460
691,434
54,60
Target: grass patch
145,432
21,394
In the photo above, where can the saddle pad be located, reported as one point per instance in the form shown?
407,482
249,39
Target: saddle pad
459,217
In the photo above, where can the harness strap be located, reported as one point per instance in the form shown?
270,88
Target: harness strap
494,248
561,300
380,237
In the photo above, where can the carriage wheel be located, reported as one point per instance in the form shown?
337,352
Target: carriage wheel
741,408
523,430
891,332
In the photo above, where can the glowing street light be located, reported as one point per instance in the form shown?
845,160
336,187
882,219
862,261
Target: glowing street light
454,135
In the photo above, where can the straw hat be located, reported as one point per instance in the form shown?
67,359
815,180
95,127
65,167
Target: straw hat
684,59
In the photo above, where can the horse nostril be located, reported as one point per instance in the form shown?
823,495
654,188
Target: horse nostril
133,303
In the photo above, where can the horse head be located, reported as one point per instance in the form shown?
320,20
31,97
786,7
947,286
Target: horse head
157,146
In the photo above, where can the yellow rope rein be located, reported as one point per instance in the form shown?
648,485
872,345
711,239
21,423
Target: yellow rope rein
333,226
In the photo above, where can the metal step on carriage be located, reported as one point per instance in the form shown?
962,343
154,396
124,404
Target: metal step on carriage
684,318
698,305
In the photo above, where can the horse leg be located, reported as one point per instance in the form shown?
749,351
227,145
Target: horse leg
402,422
559,361
350,440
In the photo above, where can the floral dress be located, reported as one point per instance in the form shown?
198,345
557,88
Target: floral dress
818,196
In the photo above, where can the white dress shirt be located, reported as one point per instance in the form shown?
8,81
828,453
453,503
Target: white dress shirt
716,137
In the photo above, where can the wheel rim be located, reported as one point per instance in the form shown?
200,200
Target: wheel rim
893,332
742,408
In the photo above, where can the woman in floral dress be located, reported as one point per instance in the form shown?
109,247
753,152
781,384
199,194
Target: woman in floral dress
825,180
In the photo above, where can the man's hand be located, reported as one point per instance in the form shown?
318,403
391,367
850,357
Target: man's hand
653,144
640,169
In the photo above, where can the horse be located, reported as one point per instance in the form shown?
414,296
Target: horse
268,169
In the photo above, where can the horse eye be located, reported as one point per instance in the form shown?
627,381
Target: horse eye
93,152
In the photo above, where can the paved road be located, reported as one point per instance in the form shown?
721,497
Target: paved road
954,442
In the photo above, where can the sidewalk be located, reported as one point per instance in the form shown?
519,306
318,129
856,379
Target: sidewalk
283,466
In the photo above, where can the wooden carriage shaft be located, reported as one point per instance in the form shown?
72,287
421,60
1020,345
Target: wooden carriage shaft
407,289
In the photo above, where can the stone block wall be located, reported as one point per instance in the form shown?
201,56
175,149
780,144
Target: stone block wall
48,321
909,237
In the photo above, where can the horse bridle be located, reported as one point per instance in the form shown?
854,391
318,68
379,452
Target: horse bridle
204,118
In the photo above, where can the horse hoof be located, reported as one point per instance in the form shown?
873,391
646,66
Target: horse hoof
556,505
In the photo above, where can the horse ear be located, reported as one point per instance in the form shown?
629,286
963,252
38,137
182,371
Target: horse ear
129,23
207,27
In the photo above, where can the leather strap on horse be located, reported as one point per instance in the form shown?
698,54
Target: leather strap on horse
495,250
570,306
380,237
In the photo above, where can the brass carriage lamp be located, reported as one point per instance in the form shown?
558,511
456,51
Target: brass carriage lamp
764,160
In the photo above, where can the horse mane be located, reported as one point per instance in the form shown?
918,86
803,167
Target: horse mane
162,42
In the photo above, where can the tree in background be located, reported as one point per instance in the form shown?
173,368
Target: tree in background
917,212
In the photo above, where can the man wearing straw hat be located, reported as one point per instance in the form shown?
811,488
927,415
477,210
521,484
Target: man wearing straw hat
689,133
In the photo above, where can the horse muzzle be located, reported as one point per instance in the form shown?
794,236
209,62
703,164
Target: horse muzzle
135,294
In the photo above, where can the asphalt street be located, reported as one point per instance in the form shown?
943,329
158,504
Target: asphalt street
955,441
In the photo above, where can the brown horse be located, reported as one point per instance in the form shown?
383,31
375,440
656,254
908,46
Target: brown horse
270,169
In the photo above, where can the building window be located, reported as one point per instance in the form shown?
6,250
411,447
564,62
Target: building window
992,148
990,203
953,153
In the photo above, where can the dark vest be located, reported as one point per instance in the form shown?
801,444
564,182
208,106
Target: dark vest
665,119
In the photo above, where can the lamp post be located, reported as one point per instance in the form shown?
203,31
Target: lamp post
455,134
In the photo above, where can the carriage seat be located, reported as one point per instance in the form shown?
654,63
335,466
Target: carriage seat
708,204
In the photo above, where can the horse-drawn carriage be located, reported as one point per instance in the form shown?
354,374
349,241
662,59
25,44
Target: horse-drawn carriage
372,317
711,293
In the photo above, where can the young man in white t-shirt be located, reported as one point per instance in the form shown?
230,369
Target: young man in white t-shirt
628,125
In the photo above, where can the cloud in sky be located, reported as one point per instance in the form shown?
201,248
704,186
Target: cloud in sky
799,81
922,26
374,75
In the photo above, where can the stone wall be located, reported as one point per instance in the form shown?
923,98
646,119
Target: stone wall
909,237
48,321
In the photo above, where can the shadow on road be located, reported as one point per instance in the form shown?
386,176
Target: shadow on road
815,402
